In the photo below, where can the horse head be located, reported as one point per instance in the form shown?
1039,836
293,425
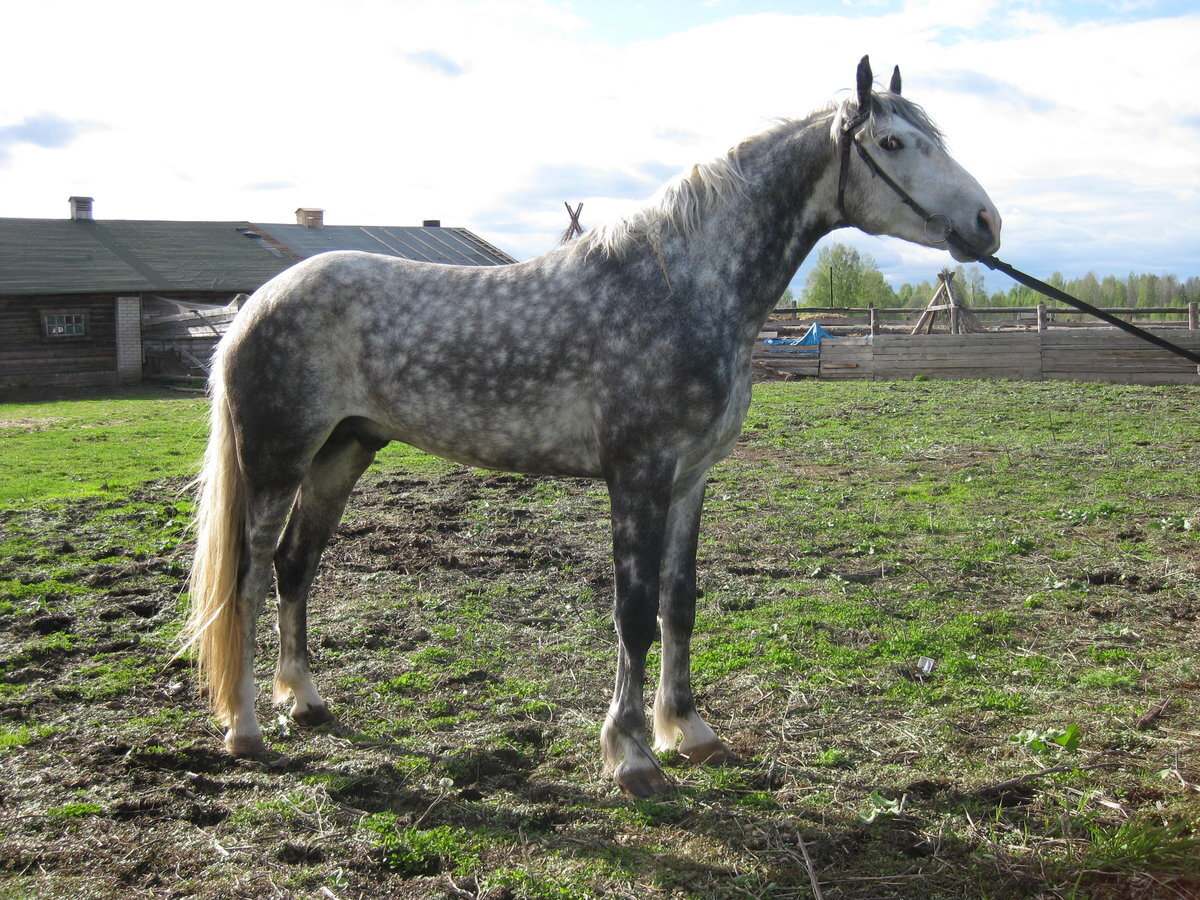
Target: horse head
902,181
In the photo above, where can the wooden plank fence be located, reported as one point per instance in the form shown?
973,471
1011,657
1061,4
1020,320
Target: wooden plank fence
1092,354
181,344
794,362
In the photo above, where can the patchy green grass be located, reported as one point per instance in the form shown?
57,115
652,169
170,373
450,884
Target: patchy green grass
75,810
118,440
11,738
951,627
100,446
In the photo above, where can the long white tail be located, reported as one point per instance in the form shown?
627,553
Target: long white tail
215,624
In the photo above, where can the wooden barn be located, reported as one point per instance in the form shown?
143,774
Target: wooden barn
85,301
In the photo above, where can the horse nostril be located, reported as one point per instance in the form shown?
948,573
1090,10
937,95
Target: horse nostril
987,225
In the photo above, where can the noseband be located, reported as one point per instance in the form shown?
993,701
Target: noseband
937,226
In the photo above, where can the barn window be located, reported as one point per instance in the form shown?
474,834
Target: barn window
65,325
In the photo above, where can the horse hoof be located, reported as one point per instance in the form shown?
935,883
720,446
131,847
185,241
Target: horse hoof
312,716
713,753
643,783
245,745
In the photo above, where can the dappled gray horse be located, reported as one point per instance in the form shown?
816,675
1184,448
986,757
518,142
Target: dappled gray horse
624,355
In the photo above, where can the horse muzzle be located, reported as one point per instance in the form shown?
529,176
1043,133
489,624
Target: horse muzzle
980,238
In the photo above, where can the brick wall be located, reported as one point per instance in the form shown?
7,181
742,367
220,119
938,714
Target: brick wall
129,339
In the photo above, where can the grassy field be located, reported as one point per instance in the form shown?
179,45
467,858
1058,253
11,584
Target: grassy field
950,626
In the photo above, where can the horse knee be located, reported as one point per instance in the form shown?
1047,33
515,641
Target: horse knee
636,623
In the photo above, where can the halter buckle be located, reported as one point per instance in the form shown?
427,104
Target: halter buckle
938,228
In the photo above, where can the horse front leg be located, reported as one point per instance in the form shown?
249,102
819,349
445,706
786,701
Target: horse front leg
677,724
640,506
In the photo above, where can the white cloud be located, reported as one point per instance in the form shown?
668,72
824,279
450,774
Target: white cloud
390,112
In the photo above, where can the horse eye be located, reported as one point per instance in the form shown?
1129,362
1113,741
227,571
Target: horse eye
891,144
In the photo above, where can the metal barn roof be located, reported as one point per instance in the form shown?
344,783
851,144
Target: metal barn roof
455,246
82,255
65,256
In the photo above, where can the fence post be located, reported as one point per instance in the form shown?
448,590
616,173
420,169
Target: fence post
1041,317
873,318
1192,323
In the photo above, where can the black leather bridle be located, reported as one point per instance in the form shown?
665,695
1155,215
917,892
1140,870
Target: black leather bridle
944,233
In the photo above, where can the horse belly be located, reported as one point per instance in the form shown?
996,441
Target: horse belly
544,435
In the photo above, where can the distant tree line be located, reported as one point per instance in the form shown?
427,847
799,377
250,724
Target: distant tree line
845,276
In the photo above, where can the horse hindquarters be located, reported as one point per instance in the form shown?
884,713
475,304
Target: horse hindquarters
236,529
239,521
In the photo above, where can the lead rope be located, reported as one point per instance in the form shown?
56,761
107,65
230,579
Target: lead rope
952,237
1055,294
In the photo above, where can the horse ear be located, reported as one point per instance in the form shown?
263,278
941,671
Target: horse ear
865,80
894,87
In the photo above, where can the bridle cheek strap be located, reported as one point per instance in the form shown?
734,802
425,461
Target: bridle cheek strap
849,130
848,138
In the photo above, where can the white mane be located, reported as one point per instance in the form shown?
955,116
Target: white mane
683,202
680,204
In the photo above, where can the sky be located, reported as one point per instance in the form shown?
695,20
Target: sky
1081,120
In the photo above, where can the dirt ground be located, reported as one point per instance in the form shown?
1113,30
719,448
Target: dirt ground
461,633
124,789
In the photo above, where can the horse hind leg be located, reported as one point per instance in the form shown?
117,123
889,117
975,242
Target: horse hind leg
315,514
265,513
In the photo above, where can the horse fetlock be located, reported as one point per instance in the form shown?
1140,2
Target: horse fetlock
296,683
665,743
642,781
613,741
667,733
691,737
631,763
246,743
310,715
281,691
713,753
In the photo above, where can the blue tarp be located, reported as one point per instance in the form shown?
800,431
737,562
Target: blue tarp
810,343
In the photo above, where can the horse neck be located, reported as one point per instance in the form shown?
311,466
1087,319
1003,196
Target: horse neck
758,241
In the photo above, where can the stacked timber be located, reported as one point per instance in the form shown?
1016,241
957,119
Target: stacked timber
784,361
182,343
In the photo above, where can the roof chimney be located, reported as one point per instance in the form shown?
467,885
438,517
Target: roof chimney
432,223
81,209
310,218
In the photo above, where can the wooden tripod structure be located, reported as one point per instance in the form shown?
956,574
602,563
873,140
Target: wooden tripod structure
574,229
945,300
